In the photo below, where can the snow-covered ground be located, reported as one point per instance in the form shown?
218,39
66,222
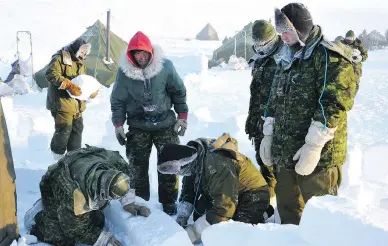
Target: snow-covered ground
218,101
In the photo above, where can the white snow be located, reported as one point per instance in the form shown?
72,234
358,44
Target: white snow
340,223
157,229
88,85
218,100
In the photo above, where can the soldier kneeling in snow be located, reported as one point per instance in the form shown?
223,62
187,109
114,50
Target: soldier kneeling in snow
219,184
74,192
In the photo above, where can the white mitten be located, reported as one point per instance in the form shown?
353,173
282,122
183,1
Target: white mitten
356,55
195,231
185,209
310,153
266,142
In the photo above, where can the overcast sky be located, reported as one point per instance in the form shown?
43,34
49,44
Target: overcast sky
58,22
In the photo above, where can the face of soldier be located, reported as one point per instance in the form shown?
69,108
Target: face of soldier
83,51
290,38
349,40
142,58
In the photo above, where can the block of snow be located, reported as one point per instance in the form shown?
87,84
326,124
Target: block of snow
88,84
20,85
5,90
335,221
384,203
157,229
237,233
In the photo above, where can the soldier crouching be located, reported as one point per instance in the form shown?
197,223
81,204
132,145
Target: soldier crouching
74,192
219,184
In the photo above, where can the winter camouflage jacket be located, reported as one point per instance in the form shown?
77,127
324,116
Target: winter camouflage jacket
304,91
144,97
63,66
224,174
263,72
75,181
357,44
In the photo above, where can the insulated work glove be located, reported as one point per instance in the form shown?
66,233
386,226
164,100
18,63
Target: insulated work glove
266,142
74,89
93,95
128,203
136,209
107,239
120,135
309,154
180,127
185,209
195,231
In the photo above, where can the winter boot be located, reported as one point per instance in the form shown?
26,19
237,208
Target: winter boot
169,208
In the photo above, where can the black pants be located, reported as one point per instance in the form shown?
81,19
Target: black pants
68,132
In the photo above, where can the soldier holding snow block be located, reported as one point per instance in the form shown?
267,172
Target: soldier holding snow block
74,192
360,53
65,65
307,121
146,88
219,184
266,45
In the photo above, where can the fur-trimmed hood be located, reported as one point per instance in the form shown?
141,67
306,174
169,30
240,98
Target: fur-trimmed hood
133,72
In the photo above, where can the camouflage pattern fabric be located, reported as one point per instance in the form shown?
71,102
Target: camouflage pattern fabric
59,222
228,187
293,190
68,132
357,44
301,93
138,150
8,220
263,74
316,83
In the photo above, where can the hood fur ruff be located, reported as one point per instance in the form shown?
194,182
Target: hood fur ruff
133,72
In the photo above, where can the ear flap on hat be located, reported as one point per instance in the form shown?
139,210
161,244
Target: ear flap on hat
283,24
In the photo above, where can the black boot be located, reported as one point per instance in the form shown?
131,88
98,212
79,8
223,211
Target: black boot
169,208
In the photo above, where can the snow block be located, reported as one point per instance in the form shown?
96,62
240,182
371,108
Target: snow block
238,233
157,229
190,64
335,221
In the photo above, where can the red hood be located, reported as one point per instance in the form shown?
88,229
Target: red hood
139,42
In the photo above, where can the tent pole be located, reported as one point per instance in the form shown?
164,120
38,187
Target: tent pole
107,36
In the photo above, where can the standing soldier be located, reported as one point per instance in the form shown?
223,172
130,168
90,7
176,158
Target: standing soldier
314,88
146,88
8,220
65,65
266,44
360,53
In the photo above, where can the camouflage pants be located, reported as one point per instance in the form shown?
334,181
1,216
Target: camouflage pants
268,173
250,208
63,228
138,151
293,190
68,132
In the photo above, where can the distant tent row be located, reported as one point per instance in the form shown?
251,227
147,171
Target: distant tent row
105,73
207,33
240,43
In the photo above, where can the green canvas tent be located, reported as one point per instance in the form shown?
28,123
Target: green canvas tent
241,42
96,36
207,33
